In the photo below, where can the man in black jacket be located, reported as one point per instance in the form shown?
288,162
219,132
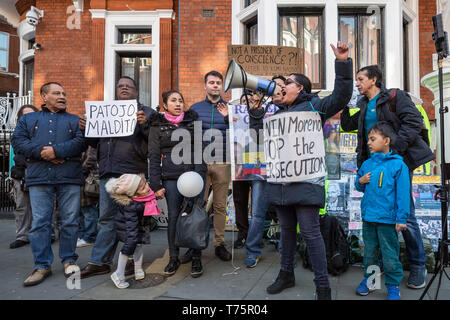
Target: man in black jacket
116,156
380,104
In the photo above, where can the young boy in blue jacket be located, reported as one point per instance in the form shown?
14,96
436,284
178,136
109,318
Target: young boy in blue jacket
384,179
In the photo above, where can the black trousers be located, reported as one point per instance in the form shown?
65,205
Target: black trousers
240,198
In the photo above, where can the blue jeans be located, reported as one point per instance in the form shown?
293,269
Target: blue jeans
260,204
88,223
413,237
174,201
42,204
307,218
106,242
380,236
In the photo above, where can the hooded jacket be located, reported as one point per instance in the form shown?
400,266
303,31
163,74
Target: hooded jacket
312,192
132,227
387,196
160,146
407,124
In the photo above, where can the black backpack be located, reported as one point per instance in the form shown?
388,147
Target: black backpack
336,246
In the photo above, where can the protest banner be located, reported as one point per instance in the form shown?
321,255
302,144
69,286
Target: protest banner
247,158
110,118
266,60
294,147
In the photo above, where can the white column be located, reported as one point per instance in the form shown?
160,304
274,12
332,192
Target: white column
267,23
393,18
331,36
431,82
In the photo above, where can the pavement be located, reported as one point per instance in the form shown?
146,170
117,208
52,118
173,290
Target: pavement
220,281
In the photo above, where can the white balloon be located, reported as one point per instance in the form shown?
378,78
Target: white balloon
190,184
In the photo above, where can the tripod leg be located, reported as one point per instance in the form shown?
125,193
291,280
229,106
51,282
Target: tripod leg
446,274
429,283
439,282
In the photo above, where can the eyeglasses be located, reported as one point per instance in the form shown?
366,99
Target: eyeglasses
290,80
120,86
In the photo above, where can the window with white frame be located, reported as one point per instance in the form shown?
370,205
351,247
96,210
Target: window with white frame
132,49
304,28
363,33
4,50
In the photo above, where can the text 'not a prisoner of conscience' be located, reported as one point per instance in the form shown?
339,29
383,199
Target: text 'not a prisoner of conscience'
294,147
110,118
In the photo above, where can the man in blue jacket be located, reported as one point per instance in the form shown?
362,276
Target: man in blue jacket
52,143
116,156
213,113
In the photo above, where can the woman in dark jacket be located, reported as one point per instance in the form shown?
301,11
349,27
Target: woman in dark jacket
300,202
22,212
163,170
397,108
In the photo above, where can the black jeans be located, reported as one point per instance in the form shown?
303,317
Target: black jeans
174,201
240,199
307,218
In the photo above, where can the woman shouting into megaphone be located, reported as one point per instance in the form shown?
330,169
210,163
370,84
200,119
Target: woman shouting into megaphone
299,202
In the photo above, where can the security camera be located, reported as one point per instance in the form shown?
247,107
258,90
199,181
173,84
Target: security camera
34,15
37,46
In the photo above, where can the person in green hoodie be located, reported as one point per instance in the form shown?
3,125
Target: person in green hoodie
385,207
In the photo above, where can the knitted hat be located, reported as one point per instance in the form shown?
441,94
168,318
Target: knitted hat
126,184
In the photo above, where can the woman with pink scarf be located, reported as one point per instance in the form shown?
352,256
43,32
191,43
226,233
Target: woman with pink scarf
166,168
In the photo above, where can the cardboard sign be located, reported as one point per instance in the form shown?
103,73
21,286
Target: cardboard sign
294,147
266,60
110,118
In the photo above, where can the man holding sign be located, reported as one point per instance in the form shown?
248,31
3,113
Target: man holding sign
121,129
295,161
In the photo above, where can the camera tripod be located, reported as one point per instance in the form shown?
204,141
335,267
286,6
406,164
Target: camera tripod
441,42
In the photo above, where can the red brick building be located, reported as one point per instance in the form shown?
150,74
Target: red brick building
9,52
172,44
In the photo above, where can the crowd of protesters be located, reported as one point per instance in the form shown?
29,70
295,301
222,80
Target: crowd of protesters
54,159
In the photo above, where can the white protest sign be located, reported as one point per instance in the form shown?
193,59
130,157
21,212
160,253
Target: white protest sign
294,147
110,118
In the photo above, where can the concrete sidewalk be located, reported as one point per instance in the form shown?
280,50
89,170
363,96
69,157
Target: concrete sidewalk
220,281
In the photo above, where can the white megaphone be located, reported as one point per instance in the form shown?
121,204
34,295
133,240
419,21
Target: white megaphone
236,77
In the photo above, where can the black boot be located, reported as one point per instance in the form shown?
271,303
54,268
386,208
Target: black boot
285,279
323,293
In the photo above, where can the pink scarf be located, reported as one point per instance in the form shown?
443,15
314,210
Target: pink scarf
151,206
174,119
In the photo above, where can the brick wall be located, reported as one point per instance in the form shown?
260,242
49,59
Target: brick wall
66,54
203,44
427,9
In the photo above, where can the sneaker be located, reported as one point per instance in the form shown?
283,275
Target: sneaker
197,269
139,274
120,283
172,267
187,256
83,243
18,243
393,293
416,278
239,244
363,289
223,253
251,262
